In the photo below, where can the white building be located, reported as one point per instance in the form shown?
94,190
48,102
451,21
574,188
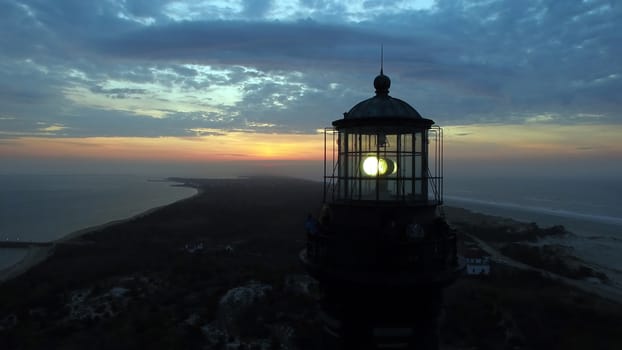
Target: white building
477,263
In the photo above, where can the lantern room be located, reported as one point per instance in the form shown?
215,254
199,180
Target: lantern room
383,151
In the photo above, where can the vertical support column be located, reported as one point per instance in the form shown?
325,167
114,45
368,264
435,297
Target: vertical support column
359,160
424,164
345,176
398,160
413,174
378,172
325,185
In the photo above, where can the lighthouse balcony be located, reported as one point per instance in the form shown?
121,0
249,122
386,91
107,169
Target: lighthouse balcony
385,261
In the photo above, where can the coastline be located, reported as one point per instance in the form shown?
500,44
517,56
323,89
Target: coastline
39,254
611,290
591,240
241,234
76,234
33,257
605,291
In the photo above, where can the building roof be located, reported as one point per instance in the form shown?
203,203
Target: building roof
382,105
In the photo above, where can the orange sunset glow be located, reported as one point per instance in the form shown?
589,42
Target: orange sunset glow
231,146
536,141
477,142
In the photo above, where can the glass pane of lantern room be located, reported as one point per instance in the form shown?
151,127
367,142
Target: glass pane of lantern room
354,141
388,166
418,142
342,164
405,165
366,181
418,189
418,166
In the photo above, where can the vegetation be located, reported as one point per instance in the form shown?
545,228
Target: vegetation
551,258
522,309
156,282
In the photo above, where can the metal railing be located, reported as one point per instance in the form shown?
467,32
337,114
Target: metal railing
436,178
418,255
330,180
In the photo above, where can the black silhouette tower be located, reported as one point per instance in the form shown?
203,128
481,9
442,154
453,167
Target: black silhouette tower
382,251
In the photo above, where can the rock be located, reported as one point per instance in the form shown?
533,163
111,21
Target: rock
192,320
216,336
300,284
8,322
234,307
284,335
118,292
83,304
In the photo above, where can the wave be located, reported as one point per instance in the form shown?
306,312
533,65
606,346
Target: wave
613,220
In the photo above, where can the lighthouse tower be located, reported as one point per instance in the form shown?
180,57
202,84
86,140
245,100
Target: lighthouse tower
382,251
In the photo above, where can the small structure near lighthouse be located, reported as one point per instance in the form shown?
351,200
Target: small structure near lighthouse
382,252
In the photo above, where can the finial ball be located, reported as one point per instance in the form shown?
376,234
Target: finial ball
382,83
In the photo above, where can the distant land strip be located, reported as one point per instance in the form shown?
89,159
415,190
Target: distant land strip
24,244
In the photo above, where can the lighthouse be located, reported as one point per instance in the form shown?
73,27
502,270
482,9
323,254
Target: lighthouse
382,251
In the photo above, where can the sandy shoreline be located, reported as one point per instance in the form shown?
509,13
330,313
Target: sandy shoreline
34,256
39,254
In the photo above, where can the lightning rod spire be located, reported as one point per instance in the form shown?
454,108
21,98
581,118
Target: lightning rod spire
381,59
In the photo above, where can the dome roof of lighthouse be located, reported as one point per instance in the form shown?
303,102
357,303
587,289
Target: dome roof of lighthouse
382,105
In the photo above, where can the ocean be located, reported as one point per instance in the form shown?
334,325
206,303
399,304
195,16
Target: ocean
589,208
44,208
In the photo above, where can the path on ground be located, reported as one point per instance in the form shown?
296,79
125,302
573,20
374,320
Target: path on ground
605,291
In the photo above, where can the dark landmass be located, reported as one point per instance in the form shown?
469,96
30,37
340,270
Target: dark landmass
220,270
497,230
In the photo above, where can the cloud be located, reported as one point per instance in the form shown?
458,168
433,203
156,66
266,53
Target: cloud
117,92
157,68
52,128
256,8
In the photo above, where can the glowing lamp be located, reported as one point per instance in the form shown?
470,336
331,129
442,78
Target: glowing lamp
373,166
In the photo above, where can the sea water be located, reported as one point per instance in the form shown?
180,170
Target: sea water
589,208
43,208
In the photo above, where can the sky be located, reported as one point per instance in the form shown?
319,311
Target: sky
213,88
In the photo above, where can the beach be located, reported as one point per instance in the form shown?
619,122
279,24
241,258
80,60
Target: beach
39,253
33,256
67,206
